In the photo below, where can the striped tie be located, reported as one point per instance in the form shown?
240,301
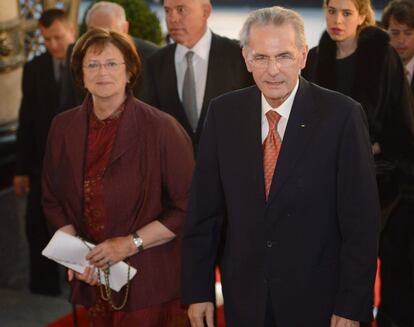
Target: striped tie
271,149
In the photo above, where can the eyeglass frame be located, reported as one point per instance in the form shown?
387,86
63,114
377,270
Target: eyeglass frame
276,59
99,65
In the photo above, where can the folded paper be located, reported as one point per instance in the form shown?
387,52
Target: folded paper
70,251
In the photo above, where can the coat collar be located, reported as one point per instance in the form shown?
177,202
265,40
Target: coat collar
370,54
76,136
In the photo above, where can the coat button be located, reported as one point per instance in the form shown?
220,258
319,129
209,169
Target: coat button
269,244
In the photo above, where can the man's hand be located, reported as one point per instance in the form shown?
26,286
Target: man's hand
21,184
197,312
376,149
337,321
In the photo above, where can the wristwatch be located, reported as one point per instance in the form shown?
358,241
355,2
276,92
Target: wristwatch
137,241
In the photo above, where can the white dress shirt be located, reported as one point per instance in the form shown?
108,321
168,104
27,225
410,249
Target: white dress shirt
283,110
409,68
200,63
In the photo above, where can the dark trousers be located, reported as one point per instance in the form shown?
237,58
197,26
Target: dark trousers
44,273
397,267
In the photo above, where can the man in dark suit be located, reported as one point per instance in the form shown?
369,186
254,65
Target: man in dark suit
42,84
183,86
288,167
107,15
397,238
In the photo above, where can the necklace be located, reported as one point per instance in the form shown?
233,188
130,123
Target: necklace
105,290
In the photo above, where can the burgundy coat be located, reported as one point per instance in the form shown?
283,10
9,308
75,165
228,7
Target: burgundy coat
147,178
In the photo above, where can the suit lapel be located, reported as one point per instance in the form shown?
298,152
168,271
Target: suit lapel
412,84
171,88
251,139
213,75
49,85
299,130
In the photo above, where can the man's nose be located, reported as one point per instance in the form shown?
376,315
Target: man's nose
173,16
272,66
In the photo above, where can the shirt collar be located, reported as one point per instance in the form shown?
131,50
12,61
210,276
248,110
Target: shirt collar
409,67
285,108
201,48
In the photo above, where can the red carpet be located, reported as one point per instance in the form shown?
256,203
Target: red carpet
67,321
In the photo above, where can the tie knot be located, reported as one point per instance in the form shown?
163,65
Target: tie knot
189,56
273,118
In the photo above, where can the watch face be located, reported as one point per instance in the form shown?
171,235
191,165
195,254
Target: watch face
138,241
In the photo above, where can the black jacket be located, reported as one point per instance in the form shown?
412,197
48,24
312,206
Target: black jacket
39,105
312,244
379,85
226,72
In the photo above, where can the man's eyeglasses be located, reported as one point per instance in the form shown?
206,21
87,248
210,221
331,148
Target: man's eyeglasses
110,66
282,61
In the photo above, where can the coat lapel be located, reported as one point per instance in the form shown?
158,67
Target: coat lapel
126,135
76,142
299,130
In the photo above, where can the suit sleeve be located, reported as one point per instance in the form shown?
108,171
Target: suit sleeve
25,133
177,171
206,213
358,217
53,211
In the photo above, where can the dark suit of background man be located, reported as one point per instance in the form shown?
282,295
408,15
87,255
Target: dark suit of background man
397,239
301,237
218,66
107,15
42,86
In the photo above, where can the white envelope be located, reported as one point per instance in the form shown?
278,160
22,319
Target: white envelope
70,251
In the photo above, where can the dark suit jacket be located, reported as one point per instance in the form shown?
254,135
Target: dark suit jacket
73,96
144,180
226,72
313,244
39,105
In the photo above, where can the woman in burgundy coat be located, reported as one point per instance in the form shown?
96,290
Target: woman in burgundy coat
117,173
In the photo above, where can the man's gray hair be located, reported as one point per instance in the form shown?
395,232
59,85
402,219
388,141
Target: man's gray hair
277,16
111,7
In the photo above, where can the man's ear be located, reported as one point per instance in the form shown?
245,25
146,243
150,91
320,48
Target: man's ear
247,62
303,56
207,9
125,27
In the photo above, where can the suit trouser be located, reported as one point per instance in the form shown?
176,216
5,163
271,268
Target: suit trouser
397,266
44,273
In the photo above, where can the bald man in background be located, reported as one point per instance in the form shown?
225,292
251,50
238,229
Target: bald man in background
200,65
107,15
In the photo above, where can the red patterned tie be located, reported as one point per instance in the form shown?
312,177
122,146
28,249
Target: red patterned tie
271,149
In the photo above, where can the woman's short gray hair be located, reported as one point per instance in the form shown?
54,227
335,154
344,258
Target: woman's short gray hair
277,16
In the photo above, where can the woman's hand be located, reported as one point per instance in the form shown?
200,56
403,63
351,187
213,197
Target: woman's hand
89,276
111,251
